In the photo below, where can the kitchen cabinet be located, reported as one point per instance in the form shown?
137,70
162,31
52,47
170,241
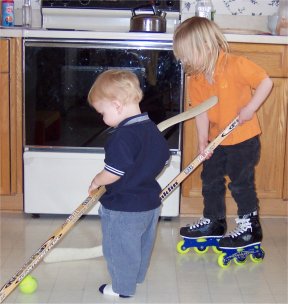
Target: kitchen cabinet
4,118
272,170
11,189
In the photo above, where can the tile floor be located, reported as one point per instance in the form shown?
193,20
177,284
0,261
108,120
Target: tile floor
172,278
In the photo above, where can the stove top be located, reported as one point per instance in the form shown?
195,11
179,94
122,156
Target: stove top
173,6
111,15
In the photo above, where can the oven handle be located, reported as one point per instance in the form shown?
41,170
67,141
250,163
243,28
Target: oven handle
114,44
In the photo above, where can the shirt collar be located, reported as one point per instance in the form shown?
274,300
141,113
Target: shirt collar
134,119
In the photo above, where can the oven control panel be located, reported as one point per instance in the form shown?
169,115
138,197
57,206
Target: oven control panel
173,6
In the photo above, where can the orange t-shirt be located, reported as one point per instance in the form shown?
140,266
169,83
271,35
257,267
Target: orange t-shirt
234,79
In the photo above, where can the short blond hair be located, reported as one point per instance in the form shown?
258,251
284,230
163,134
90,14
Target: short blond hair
197,40
122,85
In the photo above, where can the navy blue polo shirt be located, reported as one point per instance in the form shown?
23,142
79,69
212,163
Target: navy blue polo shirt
137,152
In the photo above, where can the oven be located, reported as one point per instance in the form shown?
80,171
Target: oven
64,136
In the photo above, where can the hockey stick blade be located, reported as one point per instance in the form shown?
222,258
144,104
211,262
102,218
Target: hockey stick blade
73,254
69,254
35,259
204,106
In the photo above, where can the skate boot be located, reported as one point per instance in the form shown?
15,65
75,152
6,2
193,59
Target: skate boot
201,235
244,240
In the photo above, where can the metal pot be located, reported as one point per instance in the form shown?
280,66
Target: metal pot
153,23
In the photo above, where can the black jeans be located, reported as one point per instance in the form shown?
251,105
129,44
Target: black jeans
238,162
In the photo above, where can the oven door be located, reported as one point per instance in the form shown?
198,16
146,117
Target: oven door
58,76
64,137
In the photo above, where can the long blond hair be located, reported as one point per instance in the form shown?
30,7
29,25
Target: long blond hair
197,43
122,85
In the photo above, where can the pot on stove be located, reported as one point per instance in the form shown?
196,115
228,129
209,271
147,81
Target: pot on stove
144,22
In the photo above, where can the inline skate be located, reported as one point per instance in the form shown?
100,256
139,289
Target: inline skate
201,235
242,242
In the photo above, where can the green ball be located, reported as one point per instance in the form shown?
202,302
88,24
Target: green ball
28,285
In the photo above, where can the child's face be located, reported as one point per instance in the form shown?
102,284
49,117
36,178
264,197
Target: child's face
109,111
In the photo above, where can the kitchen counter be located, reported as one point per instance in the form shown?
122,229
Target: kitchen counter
67,34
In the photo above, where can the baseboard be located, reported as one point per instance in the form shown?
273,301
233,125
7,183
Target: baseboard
11,202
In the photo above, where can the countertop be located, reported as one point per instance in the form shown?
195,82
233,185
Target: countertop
68,34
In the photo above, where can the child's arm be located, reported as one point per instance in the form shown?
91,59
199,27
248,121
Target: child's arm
202,123
261,93
101,179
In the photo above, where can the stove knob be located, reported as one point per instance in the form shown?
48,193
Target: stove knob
170,4
51,2
65,2
84,2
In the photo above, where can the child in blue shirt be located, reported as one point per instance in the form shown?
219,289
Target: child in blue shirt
135,154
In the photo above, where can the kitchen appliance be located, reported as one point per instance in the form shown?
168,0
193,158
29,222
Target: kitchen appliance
64,136
282,25
111,15
154,23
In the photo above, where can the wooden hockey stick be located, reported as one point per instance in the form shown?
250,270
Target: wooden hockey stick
85,206
199,159
70,254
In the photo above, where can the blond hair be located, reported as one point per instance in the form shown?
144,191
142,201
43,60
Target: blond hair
197,43
122,85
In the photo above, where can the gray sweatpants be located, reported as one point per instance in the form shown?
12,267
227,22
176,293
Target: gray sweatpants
128,240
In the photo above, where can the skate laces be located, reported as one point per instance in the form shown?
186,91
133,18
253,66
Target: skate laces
243,225
201,222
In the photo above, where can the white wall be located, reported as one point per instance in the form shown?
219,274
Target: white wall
36,16
237,14
237,7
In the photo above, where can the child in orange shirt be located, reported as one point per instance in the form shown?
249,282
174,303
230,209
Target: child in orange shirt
204,53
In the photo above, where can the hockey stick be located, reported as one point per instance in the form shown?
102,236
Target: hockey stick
86,205
70,254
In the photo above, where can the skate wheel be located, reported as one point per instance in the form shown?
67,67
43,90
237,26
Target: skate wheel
257,257
201,249
239,262
216,249
221,261
181,249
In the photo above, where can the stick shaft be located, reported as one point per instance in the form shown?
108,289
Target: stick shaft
86,205
198,160
52,241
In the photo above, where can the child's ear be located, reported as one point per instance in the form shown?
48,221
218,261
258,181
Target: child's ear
118,105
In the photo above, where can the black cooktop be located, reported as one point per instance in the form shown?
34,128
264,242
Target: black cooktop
173,6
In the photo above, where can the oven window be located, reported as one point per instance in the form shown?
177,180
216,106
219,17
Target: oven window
57,81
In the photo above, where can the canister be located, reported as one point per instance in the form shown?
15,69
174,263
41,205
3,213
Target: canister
7,12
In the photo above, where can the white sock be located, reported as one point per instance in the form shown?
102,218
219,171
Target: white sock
107,290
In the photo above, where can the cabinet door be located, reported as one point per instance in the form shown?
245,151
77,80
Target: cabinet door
5,179
285,184
11,124
4,58
273,119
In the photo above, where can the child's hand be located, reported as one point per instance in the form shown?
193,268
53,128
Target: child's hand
201,149
92,187
245,114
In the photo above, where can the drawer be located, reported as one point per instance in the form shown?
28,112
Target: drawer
273,58
4,55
